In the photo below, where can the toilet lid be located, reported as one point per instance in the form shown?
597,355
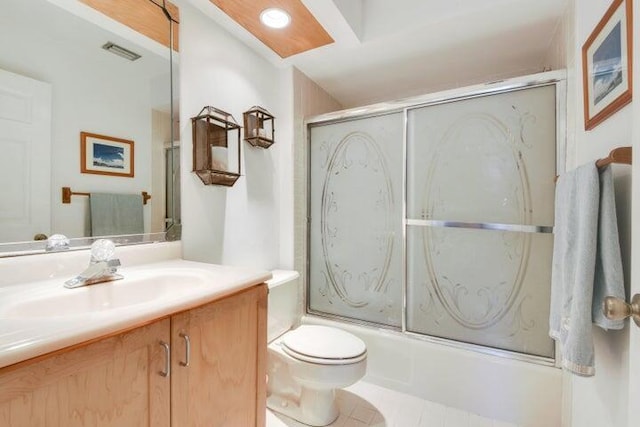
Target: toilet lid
323,342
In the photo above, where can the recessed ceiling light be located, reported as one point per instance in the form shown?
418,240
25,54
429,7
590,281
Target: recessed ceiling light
275,18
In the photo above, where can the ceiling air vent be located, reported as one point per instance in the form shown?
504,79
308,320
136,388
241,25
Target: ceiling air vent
121,51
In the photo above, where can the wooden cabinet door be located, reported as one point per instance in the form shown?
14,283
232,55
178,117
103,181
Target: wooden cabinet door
224,384
111,382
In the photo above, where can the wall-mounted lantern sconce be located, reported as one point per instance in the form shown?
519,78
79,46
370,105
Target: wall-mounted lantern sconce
216,153
259,127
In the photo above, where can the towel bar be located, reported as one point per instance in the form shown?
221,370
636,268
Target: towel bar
67,193
620,155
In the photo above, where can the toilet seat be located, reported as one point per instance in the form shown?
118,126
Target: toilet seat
324,345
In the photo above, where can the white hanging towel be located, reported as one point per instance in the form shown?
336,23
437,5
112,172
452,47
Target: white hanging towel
587,265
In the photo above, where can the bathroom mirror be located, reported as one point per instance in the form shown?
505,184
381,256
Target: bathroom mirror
58,79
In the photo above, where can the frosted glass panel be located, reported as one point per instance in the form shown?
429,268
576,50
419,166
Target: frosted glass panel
483,287
482,162
355,250
486,159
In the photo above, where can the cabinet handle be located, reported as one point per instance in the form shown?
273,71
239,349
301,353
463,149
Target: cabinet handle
187,343
167,360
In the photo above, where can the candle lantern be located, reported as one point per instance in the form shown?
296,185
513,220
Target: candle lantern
259,127
216,147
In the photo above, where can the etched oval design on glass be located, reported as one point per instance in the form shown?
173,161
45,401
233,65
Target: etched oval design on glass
477,275
356,209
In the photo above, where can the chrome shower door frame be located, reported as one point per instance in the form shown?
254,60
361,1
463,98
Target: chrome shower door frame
552,78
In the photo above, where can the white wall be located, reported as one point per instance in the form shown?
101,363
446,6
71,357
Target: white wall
600,400
249,224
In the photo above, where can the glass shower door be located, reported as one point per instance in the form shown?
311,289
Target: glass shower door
355,228
480,198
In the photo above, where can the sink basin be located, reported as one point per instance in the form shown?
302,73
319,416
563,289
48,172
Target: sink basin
134,290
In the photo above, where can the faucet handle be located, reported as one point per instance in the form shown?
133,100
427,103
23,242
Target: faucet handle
102,250
57,242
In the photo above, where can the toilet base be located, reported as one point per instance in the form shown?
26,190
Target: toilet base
315,407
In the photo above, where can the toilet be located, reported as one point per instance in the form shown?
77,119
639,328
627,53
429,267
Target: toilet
306,365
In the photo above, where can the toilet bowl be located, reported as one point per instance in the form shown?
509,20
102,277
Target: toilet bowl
306,365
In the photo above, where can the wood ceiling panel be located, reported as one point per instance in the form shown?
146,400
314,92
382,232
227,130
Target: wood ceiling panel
304,33
142,16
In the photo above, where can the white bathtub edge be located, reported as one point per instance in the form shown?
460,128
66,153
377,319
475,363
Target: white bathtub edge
500,388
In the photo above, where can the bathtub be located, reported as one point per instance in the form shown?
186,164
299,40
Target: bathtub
519,392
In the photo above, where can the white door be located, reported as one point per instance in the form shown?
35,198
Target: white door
25,157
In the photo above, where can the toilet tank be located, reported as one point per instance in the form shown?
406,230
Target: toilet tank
283,301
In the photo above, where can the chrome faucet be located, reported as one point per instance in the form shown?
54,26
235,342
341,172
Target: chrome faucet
102,267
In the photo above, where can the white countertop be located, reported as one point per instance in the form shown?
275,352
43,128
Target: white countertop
24,335
281,276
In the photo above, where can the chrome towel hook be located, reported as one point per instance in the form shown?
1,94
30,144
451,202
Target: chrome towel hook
616,308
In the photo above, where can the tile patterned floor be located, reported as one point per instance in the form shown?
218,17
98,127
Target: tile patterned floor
365,404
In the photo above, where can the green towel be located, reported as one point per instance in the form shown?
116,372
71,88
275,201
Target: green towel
116,214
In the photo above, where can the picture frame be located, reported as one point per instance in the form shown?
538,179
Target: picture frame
106,155
607,64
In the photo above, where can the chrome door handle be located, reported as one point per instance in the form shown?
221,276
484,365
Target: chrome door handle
187,355
167,359
616,308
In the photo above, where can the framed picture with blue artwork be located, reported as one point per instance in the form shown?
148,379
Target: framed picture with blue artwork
607,64
106,155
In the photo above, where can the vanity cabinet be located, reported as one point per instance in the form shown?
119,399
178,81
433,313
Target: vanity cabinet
224,383
110,382
217,373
